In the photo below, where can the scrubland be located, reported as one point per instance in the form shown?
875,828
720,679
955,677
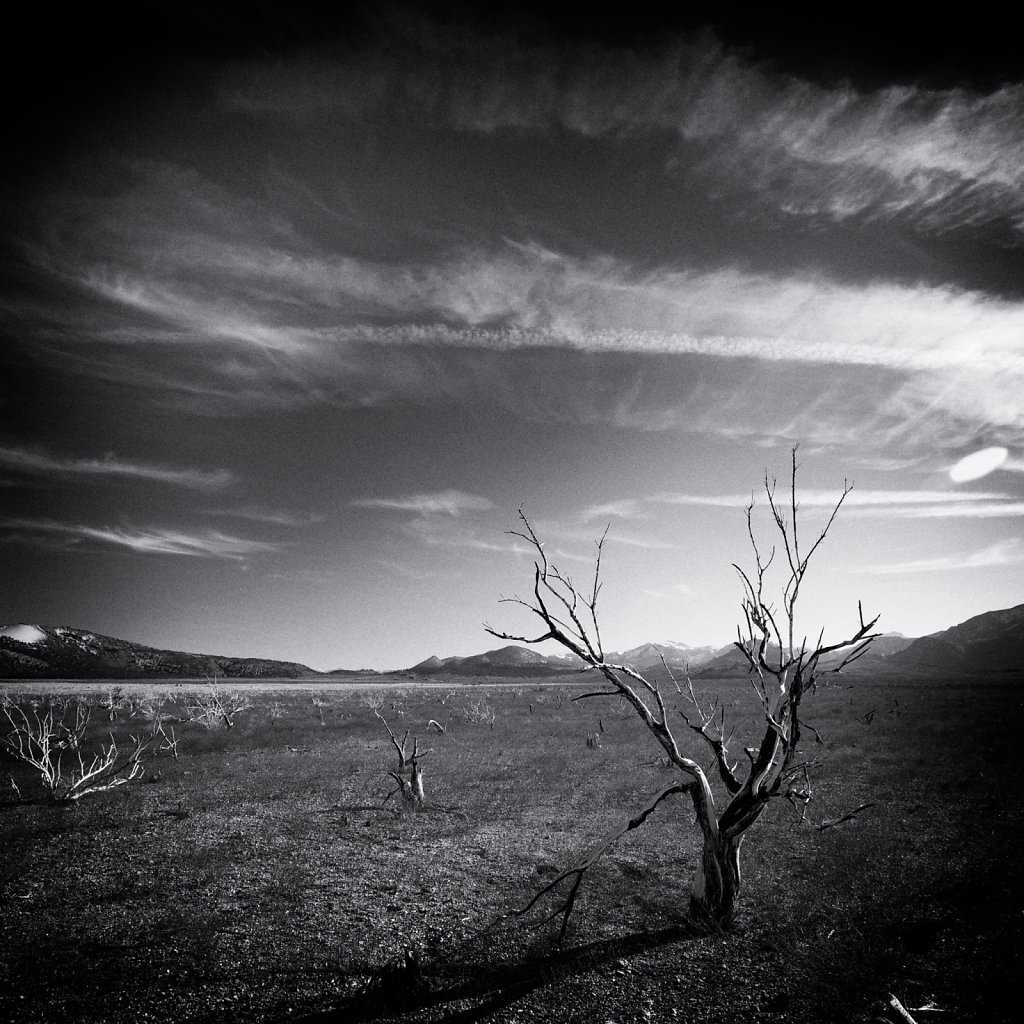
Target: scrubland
260,876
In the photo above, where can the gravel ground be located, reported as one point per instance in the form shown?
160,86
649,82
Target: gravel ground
258,879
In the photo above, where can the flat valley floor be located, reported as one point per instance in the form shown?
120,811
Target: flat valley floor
259,876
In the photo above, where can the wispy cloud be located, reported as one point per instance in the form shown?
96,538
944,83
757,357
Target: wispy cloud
627,508
39,463
471,542
997,555
308,576
939,158
403,570
559,555
209,544
450,503
616,536
898,504
444,533
234,327
888,464
526,296
1008,509
191,288
272,517
643,543
862,408
672,593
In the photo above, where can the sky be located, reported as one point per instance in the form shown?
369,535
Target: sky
299,308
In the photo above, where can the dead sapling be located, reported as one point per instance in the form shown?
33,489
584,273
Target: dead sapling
783,666
410,787
320,703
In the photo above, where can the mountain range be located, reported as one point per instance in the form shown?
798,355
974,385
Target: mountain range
993,642
990,642
525,661
59,652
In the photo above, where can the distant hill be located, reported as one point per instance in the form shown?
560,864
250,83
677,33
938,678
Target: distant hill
885,646
675,655
991,642
515,661
731,661
728,661
59,652
507,661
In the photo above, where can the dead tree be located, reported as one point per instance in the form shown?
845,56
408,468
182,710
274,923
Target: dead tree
411,788
783,669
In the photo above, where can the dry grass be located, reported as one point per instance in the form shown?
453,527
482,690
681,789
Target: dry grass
257,878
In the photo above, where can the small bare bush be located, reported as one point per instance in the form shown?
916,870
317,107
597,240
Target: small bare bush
477,712
320,702
113,702
154,709
215,707
50,738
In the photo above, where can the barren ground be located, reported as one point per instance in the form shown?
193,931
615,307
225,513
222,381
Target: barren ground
258,878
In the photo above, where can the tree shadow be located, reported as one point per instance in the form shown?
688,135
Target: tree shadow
459,990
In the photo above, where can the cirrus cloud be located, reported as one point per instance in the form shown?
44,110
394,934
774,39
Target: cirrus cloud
152,540
1001,553
940,159
39,463
450,503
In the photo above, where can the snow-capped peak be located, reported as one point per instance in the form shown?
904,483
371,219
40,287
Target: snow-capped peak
24,633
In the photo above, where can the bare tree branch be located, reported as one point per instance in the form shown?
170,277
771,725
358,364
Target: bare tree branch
715,740
596,693
577,871
846,817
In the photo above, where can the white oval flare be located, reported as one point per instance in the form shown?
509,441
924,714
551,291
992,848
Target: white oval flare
978,464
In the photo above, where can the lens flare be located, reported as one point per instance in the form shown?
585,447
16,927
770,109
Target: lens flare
978,464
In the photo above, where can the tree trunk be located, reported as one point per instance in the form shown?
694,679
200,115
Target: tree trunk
411,788
717,882
416,784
